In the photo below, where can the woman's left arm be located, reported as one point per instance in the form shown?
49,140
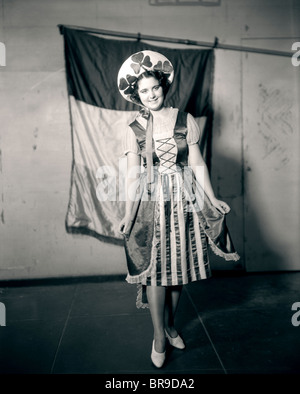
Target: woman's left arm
197,162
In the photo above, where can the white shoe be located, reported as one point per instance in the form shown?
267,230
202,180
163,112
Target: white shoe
176,342
157,358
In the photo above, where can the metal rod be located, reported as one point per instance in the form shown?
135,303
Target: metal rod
145,37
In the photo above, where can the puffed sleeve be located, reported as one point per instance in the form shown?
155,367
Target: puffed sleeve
193,132
129,142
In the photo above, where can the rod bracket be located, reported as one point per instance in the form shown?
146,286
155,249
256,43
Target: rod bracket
216,42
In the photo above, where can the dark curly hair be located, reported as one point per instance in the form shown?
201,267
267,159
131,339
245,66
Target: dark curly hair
162,79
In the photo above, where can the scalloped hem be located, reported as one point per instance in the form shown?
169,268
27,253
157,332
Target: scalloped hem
227,256
139,303
138,278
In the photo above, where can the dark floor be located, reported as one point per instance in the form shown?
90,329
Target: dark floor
239,324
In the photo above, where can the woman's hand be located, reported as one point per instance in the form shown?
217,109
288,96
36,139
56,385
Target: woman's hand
125,225
220,205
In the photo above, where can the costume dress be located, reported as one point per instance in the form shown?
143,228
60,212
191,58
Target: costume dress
172,226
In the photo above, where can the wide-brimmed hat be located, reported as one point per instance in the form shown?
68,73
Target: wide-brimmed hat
137,64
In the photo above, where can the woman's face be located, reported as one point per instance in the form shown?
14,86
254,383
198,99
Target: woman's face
151,93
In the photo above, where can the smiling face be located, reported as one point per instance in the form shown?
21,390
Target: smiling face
151,93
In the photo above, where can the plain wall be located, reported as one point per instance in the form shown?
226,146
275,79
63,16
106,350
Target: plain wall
255,165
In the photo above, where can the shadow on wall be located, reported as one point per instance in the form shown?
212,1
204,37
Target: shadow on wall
244,221
258,250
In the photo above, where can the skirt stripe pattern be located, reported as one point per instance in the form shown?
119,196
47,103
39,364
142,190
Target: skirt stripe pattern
179,252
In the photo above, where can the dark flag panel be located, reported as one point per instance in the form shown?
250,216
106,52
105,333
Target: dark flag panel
99,114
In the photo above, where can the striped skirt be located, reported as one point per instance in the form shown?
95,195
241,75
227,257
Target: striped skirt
179,252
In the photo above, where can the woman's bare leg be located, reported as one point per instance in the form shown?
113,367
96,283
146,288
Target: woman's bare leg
156,298
172,298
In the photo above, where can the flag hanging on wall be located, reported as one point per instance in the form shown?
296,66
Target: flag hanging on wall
99,115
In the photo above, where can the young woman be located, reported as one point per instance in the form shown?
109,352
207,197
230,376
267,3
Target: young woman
172,213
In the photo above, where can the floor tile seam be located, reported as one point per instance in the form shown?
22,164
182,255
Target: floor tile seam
205,330
63,330
28,291
61,316
171,371
56,319
263,370
242,309
107,315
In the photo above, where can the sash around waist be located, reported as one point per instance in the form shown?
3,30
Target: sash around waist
172,185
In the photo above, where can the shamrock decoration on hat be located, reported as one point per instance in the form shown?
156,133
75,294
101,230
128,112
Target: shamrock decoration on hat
136,65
